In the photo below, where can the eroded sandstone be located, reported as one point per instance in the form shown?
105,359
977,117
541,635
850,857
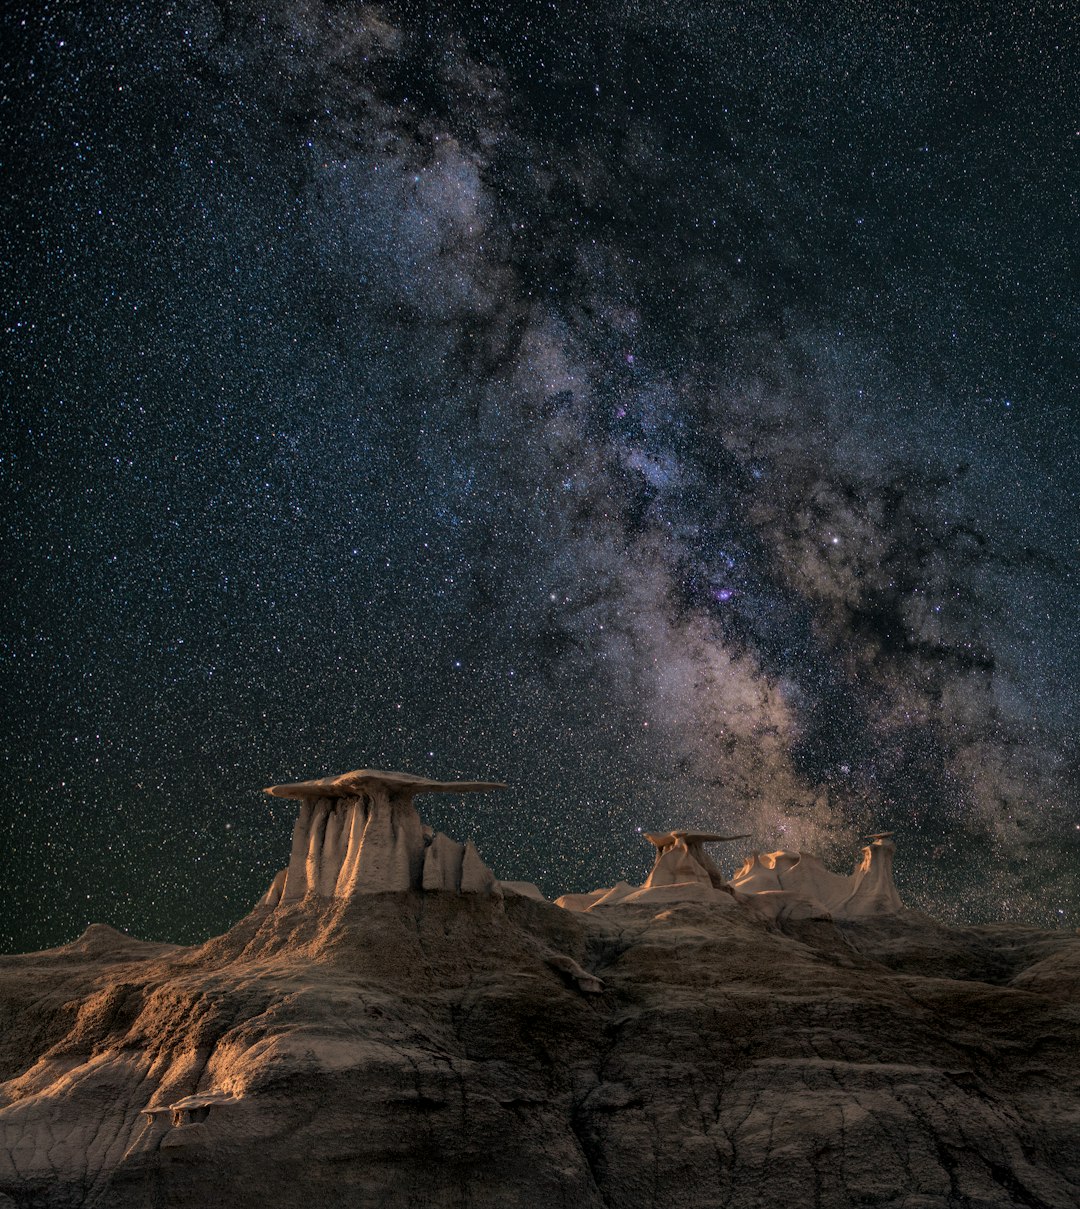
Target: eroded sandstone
454,1043
360,833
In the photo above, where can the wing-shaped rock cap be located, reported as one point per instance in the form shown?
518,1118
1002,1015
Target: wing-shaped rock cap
670,838
682,871
352,784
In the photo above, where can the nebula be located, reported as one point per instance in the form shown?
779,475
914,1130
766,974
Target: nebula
665,412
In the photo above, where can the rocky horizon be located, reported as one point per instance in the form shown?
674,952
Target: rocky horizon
392,1025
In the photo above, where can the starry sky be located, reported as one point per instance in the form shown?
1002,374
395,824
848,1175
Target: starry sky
670,409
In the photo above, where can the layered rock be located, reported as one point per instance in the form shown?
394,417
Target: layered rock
370,1042
800,881
410,1049
359,833
789,885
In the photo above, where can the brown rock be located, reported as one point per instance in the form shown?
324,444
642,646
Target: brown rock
407,1049
461,1044
359,833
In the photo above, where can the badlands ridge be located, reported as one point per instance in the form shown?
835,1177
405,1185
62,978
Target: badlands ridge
394,1026
360,833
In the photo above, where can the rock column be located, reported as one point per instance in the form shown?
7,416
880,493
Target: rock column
360,834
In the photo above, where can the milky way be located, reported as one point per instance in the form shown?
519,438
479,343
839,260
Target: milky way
669,410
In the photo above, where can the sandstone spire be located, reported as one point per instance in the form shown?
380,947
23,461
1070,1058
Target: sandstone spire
681,858
869,890
359,833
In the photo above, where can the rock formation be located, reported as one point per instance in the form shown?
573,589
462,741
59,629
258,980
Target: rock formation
783,880
682,872
685,1046
359,833
778,884
680,858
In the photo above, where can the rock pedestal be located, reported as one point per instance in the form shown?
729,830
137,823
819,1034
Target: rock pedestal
359,833
869,890
683,871
873,890
783,885
681,858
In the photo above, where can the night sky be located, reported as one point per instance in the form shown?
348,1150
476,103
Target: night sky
671,410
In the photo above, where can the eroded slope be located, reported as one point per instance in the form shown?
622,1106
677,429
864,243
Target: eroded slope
441,1050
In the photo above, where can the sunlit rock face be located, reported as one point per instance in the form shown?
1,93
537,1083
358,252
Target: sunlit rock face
789,885
359,833
779,880
468,1051
362,1038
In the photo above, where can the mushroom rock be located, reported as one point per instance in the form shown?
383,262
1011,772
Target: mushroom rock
681,858
787,882
359,833
682,871
783,885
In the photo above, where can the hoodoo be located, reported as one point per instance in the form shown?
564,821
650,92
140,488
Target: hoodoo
359,833
480,1050
781,884
869,890
680,858
682,870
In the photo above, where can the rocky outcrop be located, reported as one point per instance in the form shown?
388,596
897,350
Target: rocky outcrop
407,1049
392,1027
780,885
682,872
681,858
359,833
799,882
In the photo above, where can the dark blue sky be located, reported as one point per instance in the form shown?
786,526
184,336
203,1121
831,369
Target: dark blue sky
671,411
